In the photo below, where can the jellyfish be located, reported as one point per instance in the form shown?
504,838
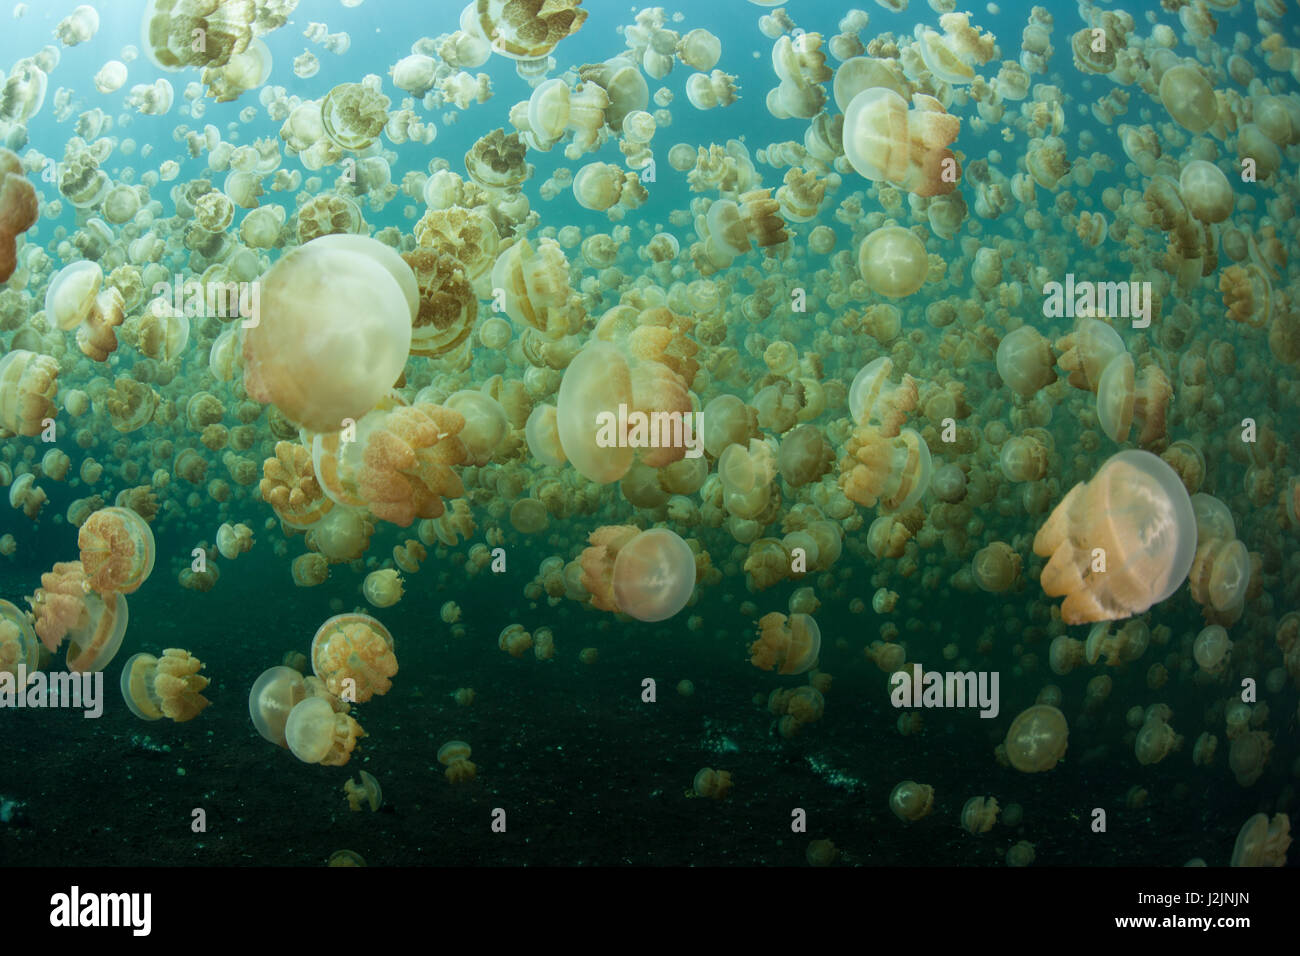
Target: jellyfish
893,261
365,793
1262,842
168,686
1120,543
117,550
788,645
911,801
317,732
653,575
1037,739
19,645
454,755
714,784
978,814
353,655
274,694
333,332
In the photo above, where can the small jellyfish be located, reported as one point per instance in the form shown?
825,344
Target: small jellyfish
788,645
714,784
168,686
1037,739
911,800
367,793
353,655
454,755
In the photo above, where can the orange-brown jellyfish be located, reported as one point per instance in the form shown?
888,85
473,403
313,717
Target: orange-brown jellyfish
117,550
167,686
1120,543
454,755
787,645
366,793
715,784
353,655
19,645
318,732
1037,739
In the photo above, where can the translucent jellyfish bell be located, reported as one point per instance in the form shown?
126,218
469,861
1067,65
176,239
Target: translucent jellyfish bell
1120,543
117,550
274,694
654,575
597,380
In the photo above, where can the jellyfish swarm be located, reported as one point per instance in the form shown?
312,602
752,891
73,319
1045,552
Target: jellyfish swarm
334,330
168,686
1120,543
353,656
648,575
117,550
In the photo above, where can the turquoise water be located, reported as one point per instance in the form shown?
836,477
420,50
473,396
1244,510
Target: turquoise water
592,754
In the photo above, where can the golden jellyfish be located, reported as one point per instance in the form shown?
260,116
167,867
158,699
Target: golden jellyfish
309,570
714,784
168,686
1189,98
541,433
275,693
28,382
978,814
514,640
1087,350
894,472
787,645
1220,575
318,733
117,550
382,588
1021,854
1025,361
234,540
911,801
893,261
454,755
19,208
398,464
821,853
1262,842
345,858
1206,191
1037,739
364,793
353,114
334,330
875,399
1155,741
19,645
996,567
353,655
71,294
1211,649
653,575
886,141
1248,754
1119,543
